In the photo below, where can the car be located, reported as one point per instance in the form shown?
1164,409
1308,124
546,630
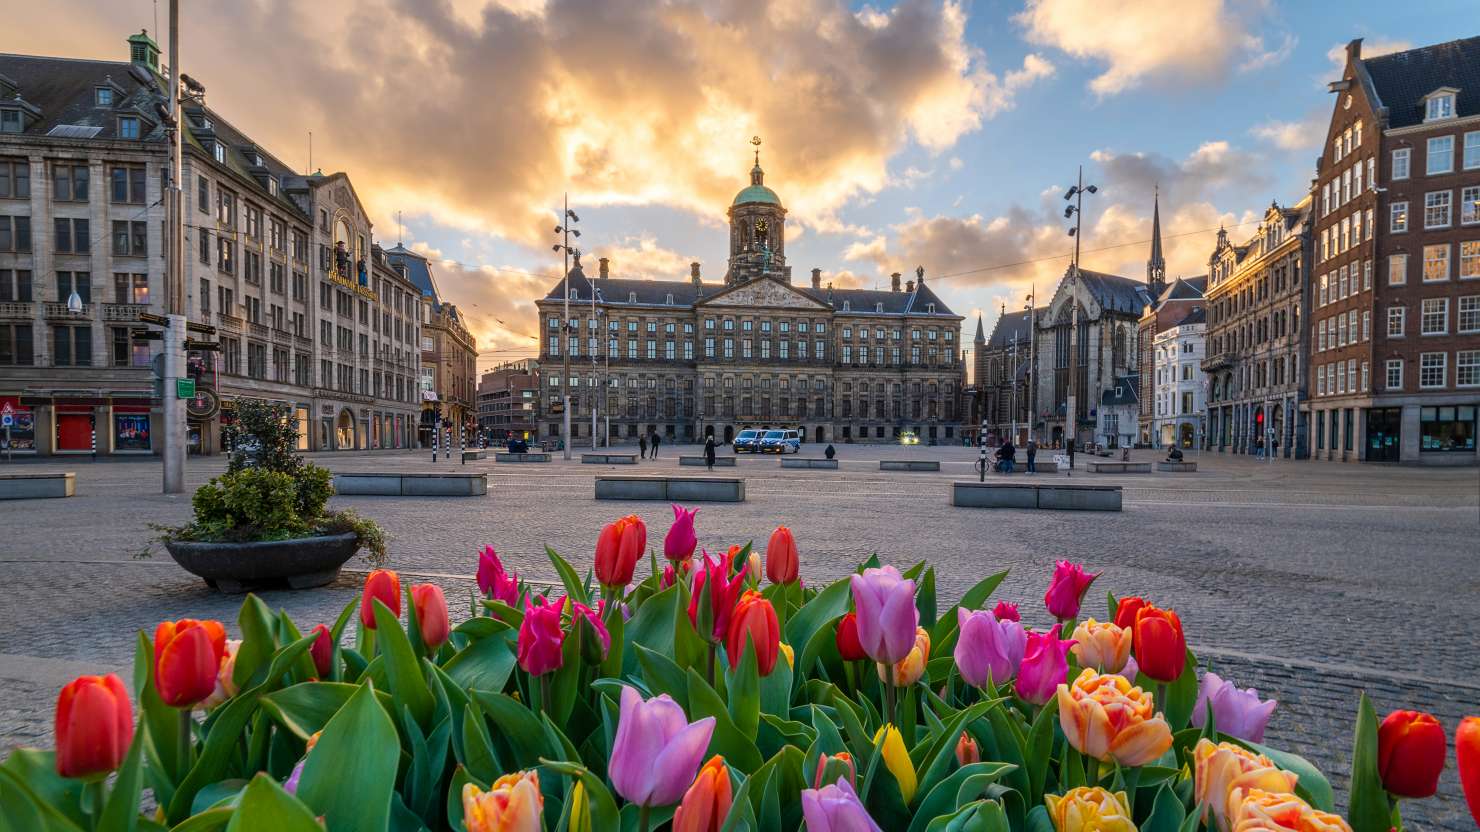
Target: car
908,438
747,441
781,442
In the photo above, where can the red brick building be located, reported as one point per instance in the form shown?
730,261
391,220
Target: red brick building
1394,371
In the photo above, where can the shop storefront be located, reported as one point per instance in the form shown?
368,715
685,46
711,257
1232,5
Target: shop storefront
74,429
1447,430
131,430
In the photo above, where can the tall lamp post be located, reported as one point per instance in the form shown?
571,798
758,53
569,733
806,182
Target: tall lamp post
567,219
1032,380
1075,212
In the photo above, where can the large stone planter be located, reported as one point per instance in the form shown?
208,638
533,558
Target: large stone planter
238,567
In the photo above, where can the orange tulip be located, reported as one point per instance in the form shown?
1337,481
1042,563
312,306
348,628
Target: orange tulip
94,726
431,614
967,751
1410,753
754,619
1219,768
1256,809
1105,717
225,677
1161,649
384,586
1467,755
909,669
781,557
187,659
1101,645
513,804
833,767
618,548
707,802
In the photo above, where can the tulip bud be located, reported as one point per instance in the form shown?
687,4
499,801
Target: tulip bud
431,614
790,654
618,548
831,767
1411,747
887,615
1125,611
707,801
384,586
847,638
513,802
967,751
322,651
226,686
1005,611
753,561
1467,755
580,809
897,759
1066,589
909,669
681,540
754,621
781,557
187,659
1161,649
541,638
94,726
591,631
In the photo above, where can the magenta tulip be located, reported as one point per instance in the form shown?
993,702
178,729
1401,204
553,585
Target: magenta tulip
1237,713
1044,667
495,583
712,581
836,808
595,639
1006,611
681,540
1067,589
988,647
887,616
541,637
657,750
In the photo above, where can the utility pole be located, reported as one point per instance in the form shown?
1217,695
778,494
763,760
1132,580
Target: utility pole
1076,211
174,333
567,219
1032,362
1012,380
599,393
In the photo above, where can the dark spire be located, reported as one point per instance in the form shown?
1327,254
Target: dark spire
1156,266
981,334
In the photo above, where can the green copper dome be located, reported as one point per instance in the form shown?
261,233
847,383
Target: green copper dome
757,193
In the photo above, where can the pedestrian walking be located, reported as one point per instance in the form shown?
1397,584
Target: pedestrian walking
1032,451
1071,457
1005,456
642,446
655,442
709,452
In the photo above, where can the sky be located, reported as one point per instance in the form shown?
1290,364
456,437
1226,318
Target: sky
934,133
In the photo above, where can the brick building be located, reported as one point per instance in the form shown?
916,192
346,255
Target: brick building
507,396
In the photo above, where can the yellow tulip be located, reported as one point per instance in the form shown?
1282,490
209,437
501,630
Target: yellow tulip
1101,645
897,760
1220,768
1090,810
513,804
791,656
580,809
1105,717
1255,810
909,669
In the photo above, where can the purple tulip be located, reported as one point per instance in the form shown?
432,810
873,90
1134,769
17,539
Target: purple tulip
493,581
887,616
291,784
657,750
988,647
836,808
1066,589
681,540
1237,713
1044,667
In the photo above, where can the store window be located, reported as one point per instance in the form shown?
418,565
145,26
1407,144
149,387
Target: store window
20,433
1447,429
131,430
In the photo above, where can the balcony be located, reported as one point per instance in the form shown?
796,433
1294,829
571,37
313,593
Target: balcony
12,310
229,322
123,312
59,310
1219,361
303,342
257,330
282,336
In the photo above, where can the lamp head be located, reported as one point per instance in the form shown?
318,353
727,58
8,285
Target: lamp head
1069,194
1091,189
74,303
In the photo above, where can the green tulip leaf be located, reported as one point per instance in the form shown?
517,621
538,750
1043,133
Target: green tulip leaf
1368,808
486,663
737,747
211,820
1167,812
743,690
350,775
32,791
264,805
403,674
599,800
121,812
651,627
663,676
258,645
816,615
574,586
925,599
945,794
517,726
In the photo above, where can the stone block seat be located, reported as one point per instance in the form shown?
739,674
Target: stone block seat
37,486
807,462
698,461
1061,496
671,489
608,459
362,484
909,465
1118,467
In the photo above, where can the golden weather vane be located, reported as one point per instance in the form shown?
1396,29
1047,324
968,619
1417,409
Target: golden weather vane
756,140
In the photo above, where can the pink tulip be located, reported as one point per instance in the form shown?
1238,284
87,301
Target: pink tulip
1067,589
712,620
681,540
988,647
1044,667
836,808
657,750
1237,713
1005,611
541,637
493,581
595,639
887,616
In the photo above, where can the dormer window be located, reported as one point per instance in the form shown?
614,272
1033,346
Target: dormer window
879,307
128,127
219,151
575,294
632,297
10,121
847,306
669,299
272,185
103,96
930,309
1440,105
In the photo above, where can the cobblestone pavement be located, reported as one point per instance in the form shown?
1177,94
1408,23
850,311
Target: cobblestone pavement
1310,581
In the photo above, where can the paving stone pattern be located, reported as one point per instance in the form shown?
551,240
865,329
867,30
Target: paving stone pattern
1309,581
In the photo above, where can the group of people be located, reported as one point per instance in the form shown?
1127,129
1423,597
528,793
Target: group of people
649,444
1006,456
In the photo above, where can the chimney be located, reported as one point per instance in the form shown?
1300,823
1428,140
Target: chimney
894,282
909,285
817,278
694,273
1354,50
605,264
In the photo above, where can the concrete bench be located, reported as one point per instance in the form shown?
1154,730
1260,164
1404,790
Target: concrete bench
1025,495
37,486
1118,467
1021,467
909,465
698,461
524,457
1176,467
410,485
608,459
807,462
672,489
471,455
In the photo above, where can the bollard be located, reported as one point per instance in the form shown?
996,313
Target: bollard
434,444
447,442
462,444
93,422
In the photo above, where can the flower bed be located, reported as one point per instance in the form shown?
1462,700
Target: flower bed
715,693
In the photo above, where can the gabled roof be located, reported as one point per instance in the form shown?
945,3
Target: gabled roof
1402,79
1130,392
1115,293
418,271
62,90
1196,316
1009,327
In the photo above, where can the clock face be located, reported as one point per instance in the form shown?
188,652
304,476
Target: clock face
760,228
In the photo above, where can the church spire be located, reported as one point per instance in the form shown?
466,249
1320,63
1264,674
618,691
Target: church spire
1156,266
981,334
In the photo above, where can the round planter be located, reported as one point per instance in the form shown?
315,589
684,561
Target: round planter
237,567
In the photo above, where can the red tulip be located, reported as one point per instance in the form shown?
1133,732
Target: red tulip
541,638
1467,754
1161,649
755,620
1410,753
431,614
1125,612
967,751
94,726
384,586
618,548
322,651
712,580
781,557
849,647
1006,611
187,657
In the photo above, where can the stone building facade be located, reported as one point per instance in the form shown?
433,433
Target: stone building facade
1179,394
83,166
507,395
691,359
1003,368
449,356
1258,303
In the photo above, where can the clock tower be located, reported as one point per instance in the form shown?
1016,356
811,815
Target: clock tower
757,231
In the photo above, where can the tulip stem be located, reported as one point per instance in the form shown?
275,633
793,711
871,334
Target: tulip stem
186,745
712,651
888,696
545,693
98,797
642,817
1161,696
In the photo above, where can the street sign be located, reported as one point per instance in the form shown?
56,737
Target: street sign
157,320
202,346
204,329
184,388
145,335
7,419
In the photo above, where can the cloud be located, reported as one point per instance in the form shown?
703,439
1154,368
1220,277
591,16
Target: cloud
1371,48
1304,134
1131,177
1187,41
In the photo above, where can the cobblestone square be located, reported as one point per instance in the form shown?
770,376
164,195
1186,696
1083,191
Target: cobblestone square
1309,581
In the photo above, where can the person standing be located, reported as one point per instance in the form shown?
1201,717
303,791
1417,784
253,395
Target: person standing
642,445
709,452
655,440
1032,451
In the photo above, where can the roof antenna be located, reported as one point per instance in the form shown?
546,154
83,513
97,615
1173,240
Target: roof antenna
400,228
156,15
310,154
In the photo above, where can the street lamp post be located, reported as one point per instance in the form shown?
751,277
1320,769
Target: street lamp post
1076,211
1032,380
567,219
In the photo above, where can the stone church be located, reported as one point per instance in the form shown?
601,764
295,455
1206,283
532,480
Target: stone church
690,358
